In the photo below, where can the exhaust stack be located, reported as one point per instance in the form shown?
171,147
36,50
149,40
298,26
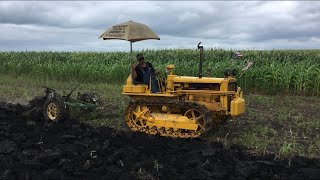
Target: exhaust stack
201,59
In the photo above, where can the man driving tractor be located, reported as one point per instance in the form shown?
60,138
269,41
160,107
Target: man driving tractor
144,73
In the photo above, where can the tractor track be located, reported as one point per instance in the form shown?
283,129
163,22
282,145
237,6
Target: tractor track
171,103
72,150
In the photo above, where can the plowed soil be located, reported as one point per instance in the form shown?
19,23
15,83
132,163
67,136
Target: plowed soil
71,150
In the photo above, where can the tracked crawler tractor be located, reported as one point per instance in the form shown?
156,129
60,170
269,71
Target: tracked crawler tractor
185,107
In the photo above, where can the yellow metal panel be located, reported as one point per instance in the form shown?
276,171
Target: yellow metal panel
237,106
205,92
134,88
172,121
129,80
149,94
172,124
170,84
215,106
224,101
184,79
224,86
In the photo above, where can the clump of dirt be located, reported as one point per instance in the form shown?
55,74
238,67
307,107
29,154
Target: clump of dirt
72,150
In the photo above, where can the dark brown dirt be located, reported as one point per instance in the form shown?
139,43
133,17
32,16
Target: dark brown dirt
72,150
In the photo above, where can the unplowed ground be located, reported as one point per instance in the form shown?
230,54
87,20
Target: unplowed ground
72,150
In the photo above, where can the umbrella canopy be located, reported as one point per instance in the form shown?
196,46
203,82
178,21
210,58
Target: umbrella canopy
129,31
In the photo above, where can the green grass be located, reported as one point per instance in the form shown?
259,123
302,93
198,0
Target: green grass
285,126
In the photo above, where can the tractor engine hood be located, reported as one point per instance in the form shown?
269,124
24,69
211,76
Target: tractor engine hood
188,79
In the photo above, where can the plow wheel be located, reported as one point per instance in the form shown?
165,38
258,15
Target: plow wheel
138,117
54,110
198,116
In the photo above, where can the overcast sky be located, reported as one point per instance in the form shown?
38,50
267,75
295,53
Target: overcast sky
76,26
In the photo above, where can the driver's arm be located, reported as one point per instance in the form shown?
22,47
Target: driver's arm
133,71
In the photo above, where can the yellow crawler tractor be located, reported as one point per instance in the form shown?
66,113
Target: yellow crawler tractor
185,107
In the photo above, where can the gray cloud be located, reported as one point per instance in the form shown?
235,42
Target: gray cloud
58,25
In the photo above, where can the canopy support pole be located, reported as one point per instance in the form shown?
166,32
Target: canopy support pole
130,58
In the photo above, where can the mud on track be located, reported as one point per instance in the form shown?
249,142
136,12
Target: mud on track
72,150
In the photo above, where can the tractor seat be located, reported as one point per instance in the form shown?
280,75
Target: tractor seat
134,87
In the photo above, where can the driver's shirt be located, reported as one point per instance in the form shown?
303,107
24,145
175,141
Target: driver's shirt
139,70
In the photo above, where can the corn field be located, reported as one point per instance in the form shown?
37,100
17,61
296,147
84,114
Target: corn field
273,72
